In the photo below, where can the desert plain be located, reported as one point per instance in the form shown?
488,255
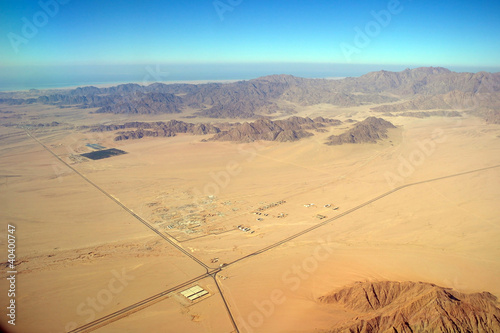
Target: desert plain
108,245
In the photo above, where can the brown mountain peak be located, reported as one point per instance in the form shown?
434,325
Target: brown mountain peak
413,307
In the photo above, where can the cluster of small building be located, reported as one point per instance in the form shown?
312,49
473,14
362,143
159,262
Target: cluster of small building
188,223
242,228
262,214
188,226
326,206
259,213
271,205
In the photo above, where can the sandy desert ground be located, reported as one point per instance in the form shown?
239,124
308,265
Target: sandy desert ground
85,247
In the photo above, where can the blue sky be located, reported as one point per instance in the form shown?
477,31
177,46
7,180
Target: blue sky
92,34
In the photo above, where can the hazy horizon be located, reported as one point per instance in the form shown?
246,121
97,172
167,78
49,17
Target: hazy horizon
48,77
65,43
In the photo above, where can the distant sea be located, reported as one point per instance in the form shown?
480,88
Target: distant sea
56,80
49,77
70,81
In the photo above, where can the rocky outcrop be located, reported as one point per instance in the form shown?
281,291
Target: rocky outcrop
138,102
260,130
370,130
452,100
423,81
291,129
413,307
170,128
141,133
242,108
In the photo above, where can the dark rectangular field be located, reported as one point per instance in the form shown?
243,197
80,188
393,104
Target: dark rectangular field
100,154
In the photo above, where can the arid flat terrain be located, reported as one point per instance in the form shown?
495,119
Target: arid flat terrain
265,227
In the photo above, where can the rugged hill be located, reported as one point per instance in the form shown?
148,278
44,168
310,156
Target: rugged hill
413,307
427,88
144,103
423,81
369,130
244,99
138,130
452,100
291,129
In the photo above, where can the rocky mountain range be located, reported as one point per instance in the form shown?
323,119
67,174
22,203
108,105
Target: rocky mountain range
414,307
291,129
138,130
370,130
294,128
425,88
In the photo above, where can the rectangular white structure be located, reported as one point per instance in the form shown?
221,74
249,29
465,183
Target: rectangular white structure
194,293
